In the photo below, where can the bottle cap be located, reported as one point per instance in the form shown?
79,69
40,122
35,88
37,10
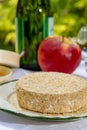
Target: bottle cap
9,58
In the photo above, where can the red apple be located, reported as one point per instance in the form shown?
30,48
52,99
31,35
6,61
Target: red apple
59,54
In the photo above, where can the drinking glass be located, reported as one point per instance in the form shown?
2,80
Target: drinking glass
82,36
82,41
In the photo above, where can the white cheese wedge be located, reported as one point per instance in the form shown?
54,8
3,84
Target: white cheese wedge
9,58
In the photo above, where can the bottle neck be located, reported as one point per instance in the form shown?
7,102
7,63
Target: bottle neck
24,7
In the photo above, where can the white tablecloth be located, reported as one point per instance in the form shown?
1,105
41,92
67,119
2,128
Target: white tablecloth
13,122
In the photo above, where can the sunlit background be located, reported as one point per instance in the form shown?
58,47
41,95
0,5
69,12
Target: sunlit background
69,16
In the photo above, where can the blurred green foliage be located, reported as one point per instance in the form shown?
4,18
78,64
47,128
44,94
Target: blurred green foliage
69,17
7,24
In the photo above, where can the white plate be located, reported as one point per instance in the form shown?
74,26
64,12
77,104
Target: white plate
8,103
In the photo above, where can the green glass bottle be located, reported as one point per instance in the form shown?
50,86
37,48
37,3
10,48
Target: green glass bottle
34,22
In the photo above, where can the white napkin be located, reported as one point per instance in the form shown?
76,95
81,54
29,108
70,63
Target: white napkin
5,128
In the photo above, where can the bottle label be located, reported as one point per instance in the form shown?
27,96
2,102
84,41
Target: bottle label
48,26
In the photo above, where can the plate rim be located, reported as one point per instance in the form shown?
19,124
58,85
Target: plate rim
18,113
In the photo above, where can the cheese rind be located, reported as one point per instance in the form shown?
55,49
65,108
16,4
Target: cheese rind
52,92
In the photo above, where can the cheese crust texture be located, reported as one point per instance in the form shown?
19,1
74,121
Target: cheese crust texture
52,92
